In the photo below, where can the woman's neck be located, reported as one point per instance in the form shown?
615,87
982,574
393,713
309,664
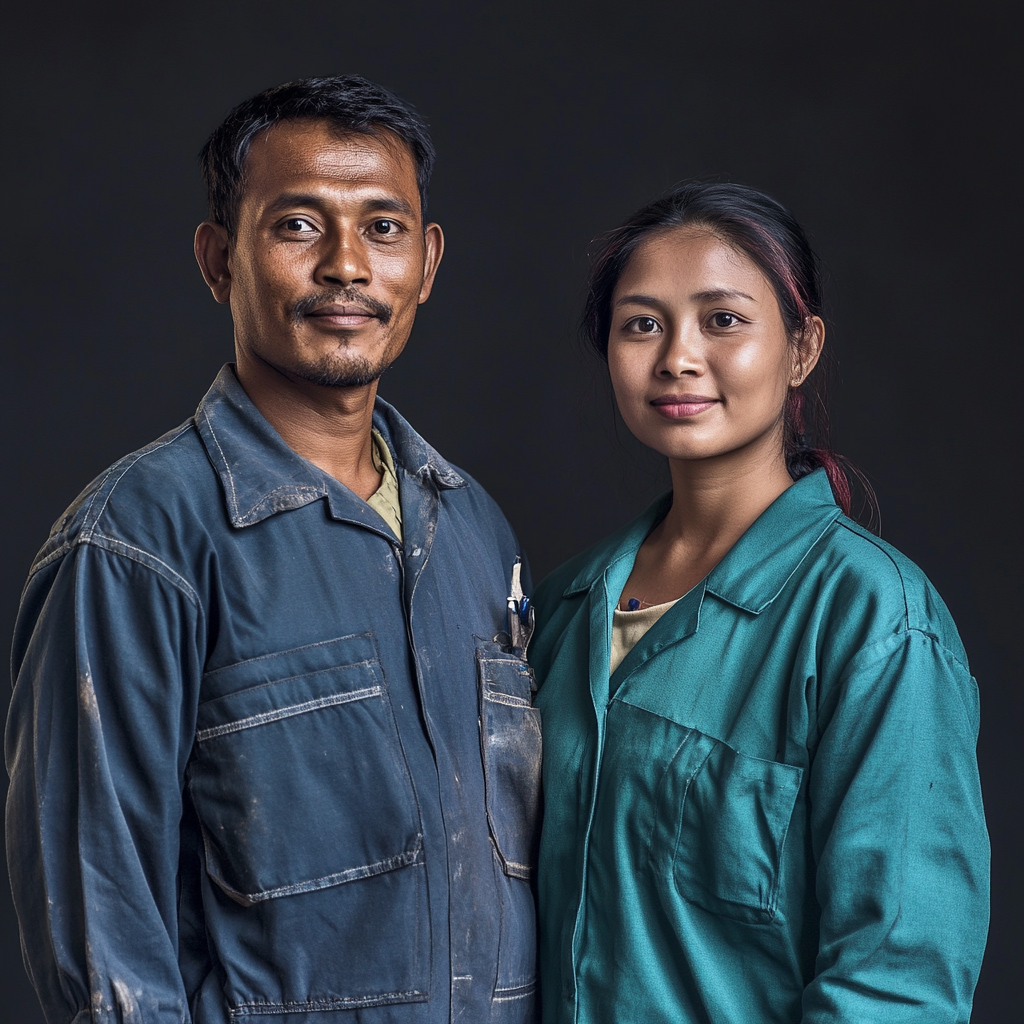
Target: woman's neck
714,502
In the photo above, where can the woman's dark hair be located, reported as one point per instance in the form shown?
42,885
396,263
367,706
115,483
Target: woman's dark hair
351,104
766,232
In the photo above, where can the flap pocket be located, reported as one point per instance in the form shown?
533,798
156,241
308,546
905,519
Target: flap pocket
510,745
298,775
732,815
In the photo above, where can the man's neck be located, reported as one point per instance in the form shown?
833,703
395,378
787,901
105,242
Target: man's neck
328,426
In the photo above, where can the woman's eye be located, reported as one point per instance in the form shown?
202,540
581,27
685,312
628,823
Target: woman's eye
645,325
725,320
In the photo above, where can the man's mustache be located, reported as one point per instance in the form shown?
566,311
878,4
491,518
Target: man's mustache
342,296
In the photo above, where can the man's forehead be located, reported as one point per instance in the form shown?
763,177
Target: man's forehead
312,146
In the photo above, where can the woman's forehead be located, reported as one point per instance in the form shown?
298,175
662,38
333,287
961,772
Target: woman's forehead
691,258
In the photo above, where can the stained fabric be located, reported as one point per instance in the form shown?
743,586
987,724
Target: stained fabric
249,776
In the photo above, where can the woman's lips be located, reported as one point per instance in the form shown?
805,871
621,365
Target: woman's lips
680,407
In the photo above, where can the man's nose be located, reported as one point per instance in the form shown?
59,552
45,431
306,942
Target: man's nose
344,259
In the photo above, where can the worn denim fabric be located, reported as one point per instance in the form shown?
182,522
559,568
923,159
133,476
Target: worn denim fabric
266,761
770,813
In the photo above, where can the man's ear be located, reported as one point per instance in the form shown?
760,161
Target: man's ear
433,244
212,254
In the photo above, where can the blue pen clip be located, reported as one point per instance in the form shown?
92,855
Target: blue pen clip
520,611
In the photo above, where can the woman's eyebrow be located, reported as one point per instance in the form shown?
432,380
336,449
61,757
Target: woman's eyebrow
638,300
714,294
709,295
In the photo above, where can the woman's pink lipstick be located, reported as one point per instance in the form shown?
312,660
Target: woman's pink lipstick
680,407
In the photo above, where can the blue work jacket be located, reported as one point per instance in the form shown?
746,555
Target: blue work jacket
267,762
770,813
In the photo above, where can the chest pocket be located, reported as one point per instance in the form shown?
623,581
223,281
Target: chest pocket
298,773
312,834
510,744
721,826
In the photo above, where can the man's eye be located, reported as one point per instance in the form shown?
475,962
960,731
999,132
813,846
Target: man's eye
644,325
385,227
298,224
725,320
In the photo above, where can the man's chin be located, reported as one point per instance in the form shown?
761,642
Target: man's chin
353,374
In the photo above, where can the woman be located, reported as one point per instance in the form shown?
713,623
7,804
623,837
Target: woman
761,793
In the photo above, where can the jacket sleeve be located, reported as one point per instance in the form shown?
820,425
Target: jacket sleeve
106,679
899,838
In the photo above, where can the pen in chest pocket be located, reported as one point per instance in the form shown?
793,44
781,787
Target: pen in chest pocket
520,611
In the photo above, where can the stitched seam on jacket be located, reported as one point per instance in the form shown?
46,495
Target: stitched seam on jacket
295,709
87,525
287,679
380,867
227,468
506,698
511,992
141,557
296,650
859,531
88,519
381,999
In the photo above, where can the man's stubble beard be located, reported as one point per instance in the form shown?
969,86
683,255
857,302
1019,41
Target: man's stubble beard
356,371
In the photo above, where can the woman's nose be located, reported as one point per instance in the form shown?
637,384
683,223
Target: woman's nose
683,353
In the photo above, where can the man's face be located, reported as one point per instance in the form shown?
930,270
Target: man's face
330,258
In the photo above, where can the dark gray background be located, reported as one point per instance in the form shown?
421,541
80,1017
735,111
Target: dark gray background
889,128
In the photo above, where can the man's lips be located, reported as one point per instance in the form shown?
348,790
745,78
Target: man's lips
343,314
342,309
678,407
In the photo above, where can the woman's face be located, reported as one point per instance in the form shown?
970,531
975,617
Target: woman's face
698,354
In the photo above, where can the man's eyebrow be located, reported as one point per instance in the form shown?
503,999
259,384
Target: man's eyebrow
385,204
390,204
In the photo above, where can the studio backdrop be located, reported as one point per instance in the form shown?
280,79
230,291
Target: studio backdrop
888,128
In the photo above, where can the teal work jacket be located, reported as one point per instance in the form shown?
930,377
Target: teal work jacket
771,812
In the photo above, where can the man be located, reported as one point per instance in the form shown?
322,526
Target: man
271,744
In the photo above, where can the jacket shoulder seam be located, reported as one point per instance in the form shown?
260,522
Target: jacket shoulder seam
882,549
899,639
140,556
937,641
114,476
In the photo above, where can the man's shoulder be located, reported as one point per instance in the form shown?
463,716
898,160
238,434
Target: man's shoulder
163,481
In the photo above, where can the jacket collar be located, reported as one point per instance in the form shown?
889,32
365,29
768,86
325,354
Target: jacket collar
261,475
757,568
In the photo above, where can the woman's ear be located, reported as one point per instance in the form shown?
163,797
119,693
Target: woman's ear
807,350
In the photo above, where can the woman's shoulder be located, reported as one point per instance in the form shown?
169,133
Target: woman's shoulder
866,572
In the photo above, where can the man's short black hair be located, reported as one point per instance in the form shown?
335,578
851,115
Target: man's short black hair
350,104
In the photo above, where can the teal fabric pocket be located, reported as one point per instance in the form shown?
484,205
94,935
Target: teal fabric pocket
723,827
